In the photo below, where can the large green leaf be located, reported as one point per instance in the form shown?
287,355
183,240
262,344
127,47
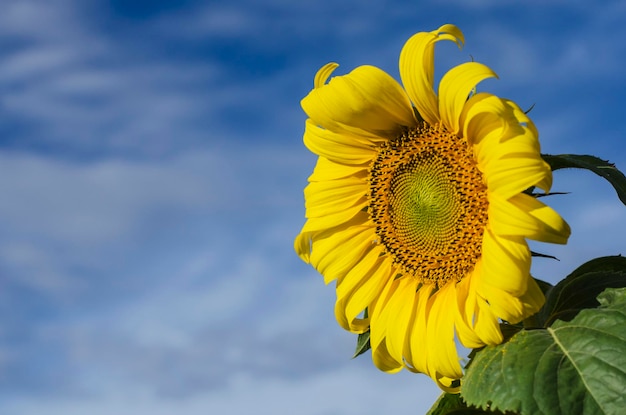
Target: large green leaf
580,289
446,403
600,167
452,404
574,368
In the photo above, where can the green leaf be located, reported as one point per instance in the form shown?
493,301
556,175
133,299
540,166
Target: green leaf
580,289
605,263
600,167
543,285
452,404
573,368
363,341
362,344
446,403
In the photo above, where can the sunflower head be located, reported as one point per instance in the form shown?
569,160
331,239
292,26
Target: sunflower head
417,207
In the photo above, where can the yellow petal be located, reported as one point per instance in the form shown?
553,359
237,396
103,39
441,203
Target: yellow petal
383,360
343,147
317,227
418,354
523,215
378,326
522,117
505,262
502,304
487,324
397,314
326,169
324,73
495,146
512,175
466,310
355,214
445,384
505,145
443,357
367,99
359,288
327,197
417,68
378,331
455,88
369,267
552,226
333,254
511,308
478,325
533,299
499,130
481,115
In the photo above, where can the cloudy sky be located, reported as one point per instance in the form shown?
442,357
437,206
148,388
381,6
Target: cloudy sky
151,172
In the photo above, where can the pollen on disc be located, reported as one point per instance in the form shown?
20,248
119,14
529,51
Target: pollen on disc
429,203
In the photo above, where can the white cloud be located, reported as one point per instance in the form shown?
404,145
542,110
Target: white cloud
147,220
63,217
182,297
567,55
87,203
38,19
215,21
347,390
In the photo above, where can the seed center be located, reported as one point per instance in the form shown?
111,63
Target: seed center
428,201
423,207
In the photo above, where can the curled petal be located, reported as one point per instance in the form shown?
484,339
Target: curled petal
417,68
333,263
476,324
359,288
465,314
323,198
343,148
318,228
523,215
455,88
321,77
367,100
511,308
383,360
328,170
487,324
511,175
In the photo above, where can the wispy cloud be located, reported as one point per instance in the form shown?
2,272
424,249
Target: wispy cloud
152,181
143,267
345,391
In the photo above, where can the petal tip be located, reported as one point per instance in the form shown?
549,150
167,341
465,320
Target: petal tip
324,73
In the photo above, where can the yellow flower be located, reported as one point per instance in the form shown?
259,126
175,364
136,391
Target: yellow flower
416,208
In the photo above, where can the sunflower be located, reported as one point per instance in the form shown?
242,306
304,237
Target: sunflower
418,208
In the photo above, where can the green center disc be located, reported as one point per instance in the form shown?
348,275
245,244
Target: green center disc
429,204
423,205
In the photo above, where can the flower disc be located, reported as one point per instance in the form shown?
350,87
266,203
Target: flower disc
429,203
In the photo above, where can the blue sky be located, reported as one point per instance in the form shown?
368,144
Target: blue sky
151,167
